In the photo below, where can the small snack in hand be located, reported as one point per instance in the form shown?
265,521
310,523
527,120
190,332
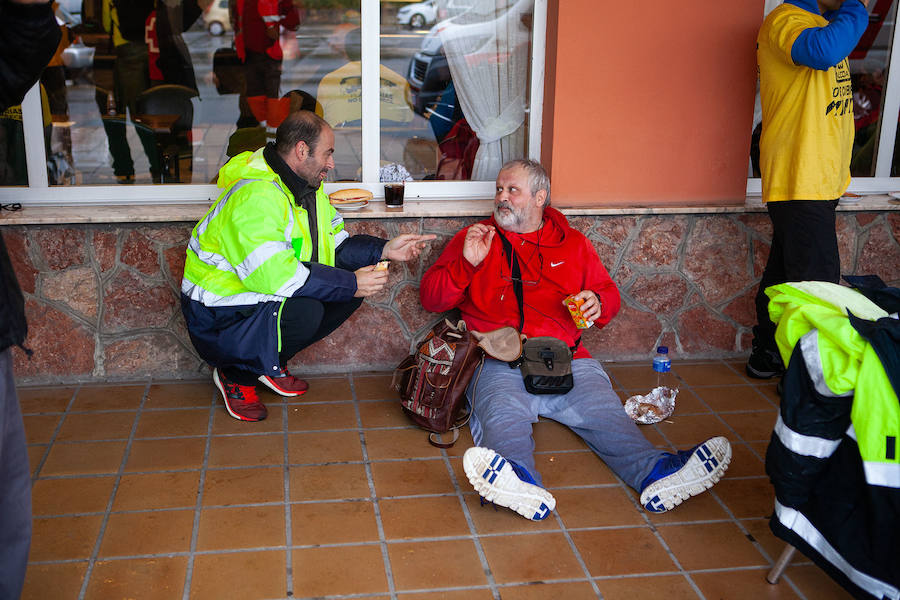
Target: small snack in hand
382,265
574,306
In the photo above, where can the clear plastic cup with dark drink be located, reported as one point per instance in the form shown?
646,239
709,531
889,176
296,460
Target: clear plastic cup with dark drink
393,194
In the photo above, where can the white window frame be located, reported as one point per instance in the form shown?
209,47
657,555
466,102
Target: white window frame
39,192
882,182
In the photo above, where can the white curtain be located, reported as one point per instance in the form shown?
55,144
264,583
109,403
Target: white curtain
487,49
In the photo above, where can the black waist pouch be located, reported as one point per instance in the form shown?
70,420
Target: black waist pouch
546,366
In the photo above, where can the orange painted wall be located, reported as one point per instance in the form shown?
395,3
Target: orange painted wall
649,102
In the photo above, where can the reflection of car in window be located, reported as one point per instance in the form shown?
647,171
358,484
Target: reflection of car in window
417,15
429,72
216,19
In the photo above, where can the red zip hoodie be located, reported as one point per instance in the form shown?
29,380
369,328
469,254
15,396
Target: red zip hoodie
555,261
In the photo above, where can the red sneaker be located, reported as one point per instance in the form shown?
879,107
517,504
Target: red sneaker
284,383
241,401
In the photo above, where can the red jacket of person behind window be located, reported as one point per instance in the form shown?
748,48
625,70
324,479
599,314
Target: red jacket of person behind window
257,24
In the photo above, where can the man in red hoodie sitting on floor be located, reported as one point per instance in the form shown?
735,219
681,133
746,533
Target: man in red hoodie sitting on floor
552,261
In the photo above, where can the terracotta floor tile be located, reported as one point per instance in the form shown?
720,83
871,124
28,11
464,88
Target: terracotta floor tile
324,447
409,518
329,482
760,448
670,587
156,532
35,455
462,444
108,397
730,398
223,423
815,583
710,545
384,413
771,545
747,498
181,395
243,527
160,455
752,426
490,518
96,426
246,450
243,486
64,538
769,389
537,557
82,458
314,417
157,490
631,376
44,400
333,523
166,423
399,443
55,580
324,571
467,594
688,403
39,429
550,436
157,578
686,431
542,591
262,576
71,495
703,374
572,468
743,585
656,438
622,551
744,462
413,564
323,389
409,478
374,387
596,507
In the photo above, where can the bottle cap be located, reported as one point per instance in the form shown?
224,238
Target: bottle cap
662,349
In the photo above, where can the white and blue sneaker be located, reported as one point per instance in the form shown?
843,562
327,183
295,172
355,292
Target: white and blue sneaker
677,477
505,483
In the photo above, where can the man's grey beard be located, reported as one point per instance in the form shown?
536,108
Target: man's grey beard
509,221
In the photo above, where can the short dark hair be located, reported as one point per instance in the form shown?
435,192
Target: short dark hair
301,126
537,176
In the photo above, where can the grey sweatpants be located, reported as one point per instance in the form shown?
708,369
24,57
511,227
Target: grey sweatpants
503,413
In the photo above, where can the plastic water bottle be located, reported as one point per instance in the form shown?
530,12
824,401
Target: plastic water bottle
663,367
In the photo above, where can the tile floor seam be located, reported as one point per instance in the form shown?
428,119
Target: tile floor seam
574,548
286,502
112,495
474,536
198,505
49,447
376,508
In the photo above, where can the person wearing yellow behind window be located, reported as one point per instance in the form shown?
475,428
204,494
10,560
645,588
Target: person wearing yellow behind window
805,147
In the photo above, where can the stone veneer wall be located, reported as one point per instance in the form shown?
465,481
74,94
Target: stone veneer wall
103,300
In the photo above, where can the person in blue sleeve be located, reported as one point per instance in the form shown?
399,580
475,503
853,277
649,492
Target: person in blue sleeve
805,147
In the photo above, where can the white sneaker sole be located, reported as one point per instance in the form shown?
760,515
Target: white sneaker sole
494,479
702,470
265,381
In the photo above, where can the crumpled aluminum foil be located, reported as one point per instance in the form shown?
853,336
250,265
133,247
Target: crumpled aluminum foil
652,408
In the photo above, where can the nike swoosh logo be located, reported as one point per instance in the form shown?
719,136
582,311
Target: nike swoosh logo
556,264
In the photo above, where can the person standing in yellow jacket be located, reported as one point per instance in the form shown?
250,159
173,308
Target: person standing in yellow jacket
807,138
270,269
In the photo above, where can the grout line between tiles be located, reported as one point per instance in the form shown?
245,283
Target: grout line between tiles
288,527
112,496
198,506
376,508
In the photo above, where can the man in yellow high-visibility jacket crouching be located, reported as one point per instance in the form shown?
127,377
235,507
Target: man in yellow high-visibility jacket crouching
270,269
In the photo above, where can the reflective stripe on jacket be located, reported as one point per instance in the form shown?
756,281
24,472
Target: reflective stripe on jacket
841,364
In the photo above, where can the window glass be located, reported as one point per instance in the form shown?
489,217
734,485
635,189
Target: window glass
868,71
166,91
463,68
